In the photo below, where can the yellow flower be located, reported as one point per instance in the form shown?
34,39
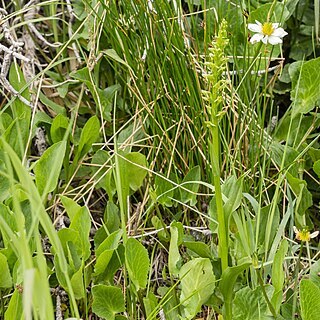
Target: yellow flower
304,234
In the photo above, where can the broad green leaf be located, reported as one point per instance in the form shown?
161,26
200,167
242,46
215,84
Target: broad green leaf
228,280
150,304
40,214
294,69
61,275
103,261
103,97
17,134
67,236
232,190
9,219
102,170
36,287
106,98
170,309
279,14
302,46
200,248
83,76
164,191
305,92
277,266
101,161
105,251
117,261
315,272
137,263
74,254
48,167
134,169
316,168
158,224
251,305
175,260
111,243
107,301
71,206
58,128
112,54
304,196
197,285
278,274
15,307
310,302
78,285
263,224
279,151
291,6
314,154
5,276
89,135
129,133
81,222
111,217
190,182
298,130
59,110
18,81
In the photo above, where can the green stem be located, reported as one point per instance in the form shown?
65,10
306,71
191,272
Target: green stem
296,275
121,190
261,283
222,230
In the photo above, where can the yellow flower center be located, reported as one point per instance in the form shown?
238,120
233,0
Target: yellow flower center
267,29
303,235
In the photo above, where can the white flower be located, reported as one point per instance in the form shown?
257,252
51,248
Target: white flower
267,32
304,234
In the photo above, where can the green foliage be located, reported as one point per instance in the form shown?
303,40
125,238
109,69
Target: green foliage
188,183
5,277
105,251
250,304
15,308
58,128
107,301
197,285
78,285
278,274
153,161
316,168
310,304
228,280
137,263
89,135
47,169
305,87
175,260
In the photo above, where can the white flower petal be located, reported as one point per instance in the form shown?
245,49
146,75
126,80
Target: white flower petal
275,25
295,230
314,234
256,38
265,39
258,23
254,27
279,33
274,40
